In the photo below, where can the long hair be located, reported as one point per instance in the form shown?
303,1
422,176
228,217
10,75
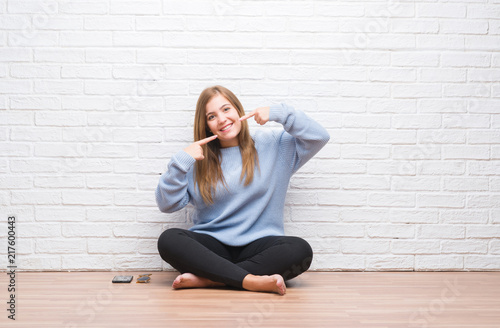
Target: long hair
208,172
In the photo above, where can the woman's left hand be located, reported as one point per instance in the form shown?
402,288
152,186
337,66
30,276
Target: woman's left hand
261,115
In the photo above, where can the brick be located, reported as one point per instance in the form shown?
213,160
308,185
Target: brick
59,55
342,198
483,231
483,200
41,230
401,25
364,90
464,247
466,152
35,197
466,121
113,246
440,231
461,59
111,214
441,137
447,42
367,121
137,39
15,55
361,246
162,56
441,10
87,197
466,184
59,87
60,119
416,183
484,168
392,137
84,7
138,231
321,214
391,199
392,167
417,91
415,247
35,39
61,246
59,23
85,39
77,134
484,106
463,27
16,182
364,183
135,7
393,75
407,59
440,75
91,103
15,87
483,262
339,262
363,215
314,182
341,230
413,216
82,229
32,71
398,106
394,231
365,152
137,135
59,181
151,23
416,152
441,200
86,72
481,42
112,150
103,55
96,87
114,181
438,262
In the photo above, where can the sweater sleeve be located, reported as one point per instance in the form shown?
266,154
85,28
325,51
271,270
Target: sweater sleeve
303,137
172,190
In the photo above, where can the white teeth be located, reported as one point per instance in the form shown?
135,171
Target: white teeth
226,127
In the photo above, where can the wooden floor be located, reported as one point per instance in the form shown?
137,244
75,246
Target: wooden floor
315,299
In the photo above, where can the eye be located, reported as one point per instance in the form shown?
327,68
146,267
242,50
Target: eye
210,117
227,109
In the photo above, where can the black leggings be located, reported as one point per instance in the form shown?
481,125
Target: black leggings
205,256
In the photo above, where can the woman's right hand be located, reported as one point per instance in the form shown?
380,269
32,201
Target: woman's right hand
196,150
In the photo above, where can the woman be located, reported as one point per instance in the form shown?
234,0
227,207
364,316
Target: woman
237,185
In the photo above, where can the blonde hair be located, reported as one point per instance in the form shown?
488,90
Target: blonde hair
208,172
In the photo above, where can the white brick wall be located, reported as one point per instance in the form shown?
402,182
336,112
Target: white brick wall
96,96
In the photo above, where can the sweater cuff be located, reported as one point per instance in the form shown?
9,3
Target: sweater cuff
276,113
184,160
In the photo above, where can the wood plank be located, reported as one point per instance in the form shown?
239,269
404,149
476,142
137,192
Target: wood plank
315,299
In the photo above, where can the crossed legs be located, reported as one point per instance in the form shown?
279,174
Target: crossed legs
263,265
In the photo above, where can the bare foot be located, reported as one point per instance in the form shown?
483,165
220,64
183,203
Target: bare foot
274,283
189,280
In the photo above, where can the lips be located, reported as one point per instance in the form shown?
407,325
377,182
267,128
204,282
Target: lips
226,128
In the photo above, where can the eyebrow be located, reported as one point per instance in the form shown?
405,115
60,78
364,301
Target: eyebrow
219,109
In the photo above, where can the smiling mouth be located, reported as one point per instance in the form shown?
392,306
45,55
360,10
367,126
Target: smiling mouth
227,127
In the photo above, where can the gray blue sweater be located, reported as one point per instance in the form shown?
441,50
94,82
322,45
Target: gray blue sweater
241,214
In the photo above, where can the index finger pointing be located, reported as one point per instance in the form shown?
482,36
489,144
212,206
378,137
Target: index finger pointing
206,140
245,117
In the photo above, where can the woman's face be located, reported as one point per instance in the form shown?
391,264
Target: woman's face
223,120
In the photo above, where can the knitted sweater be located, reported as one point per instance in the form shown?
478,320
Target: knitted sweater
241,214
